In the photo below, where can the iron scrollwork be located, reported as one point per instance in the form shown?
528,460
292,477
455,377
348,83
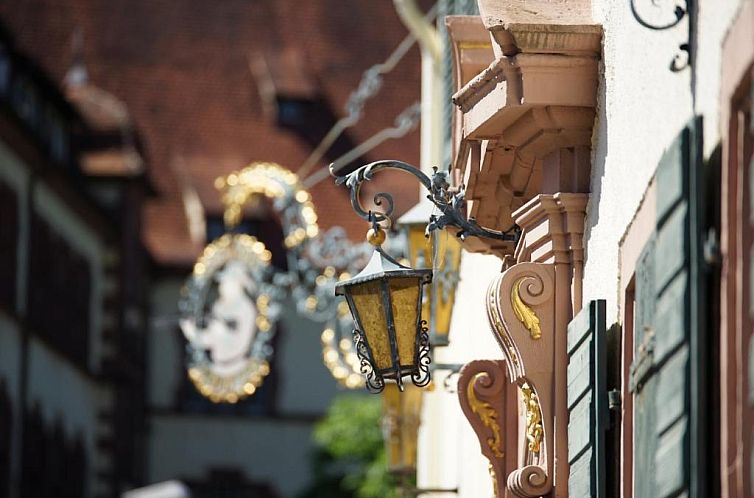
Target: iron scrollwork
659,15
374,381
421,377
449,201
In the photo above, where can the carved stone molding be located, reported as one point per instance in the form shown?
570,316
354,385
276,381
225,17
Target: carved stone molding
552,231
529,306
488,400
524,122
521,310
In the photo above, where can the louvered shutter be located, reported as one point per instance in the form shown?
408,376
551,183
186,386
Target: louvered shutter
669,351
587,402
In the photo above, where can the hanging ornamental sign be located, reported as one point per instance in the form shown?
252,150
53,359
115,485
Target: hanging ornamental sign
228,316
231,302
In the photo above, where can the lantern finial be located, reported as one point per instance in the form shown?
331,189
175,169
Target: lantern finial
376,235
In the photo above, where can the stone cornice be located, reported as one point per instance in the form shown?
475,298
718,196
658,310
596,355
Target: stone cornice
535,100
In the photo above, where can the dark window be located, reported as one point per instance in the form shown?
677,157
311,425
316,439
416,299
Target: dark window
293,112
59,289
9,229
52,465
6,433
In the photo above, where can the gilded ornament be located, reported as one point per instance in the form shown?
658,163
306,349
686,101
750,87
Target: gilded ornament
493,475
524,313
534,430
487,415
274,182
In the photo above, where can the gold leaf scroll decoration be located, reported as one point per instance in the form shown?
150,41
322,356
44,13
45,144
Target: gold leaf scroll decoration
487,415
524,313
534,430
493,475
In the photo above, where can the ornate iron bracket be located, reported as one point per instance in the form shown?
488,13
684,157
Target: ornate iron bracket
680,9
449,201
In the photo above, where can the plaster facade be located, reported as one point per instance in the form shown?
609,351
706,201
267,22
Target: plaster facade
641,108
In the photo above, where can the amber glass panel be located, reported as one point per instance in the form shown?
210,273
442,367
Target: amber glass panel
401,412
391,426
368,300
404,297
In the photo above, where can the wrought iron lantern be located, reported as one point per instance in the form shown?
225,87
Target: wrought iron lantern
385,299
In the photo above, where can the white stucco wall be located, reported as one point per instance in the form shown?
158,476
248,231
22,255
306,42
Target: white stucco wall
642,106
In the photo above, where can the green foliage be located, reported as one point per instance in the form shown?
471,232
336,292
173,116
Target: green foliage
349,457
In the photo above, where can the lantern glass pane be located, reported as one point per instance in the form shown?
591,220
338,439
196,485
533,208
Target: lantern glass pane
391,426
367,298
404,297
411,404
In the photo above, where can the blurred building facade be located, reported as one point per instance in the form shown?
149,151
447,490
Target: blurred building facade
73,307
153,102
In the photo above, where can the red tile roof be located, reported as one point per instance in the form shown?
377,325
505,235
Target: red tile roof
182,67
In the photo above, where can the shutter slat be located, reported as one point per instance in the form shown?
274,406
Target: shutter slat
667,278
587,402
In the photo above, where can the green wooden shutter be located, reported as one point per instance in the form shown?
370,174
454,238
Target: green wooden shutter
667,374
587,402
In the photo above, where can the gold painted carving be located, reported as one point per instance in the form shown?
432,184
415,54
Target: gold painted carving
470,45
493,475
524,313
534,431
487,415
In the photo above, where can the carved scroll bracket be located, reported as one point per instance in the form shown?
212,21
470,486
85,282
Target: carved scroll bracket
488,399
521,306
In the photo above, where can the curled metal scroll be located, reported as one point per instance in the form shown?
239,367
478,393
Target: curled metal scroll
661,7
668,14
422,376
451,202
374,381
355,179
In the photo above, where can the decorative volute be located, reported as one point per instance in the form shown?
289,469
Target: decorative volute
529,306
521,310
489,401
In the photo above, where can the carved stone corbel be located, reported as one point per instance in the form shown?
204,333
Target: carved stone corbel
521,305
488,400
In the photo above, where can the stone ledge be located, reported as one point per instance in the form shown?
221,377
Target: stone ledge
537,97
